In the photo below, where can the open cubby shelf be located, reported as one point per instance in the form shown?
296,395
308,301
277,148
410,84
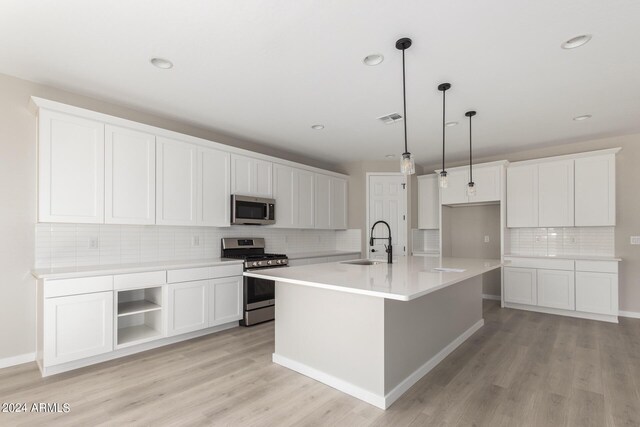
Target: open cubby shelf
134,307
140,315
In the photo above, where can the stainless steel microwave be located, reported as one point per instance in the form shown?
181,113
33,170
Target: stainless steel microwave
252,210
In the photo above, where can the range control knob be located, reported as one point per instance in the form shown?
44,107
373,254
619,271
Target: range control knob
269,262
279,261
255,264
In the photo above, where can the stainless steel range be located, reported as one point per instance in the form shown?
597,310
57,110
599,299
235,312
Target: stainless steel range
259,294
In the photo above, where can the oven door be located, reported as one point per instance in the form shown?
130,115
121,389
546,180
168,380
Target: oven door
258,293
252,210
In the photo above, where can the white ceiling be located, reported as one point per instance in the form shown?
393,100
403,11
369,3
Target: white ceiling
268,70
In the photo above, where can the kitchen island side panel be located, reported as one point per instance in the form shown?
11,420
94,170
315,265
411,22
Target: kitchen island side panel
338,334
418,330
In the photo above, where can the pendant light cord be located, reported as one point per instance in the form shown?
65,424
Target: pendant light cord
404,100
470,155
444,95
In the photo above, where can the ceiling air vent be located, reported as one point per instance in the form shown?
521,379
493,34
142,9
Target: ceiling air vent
390,118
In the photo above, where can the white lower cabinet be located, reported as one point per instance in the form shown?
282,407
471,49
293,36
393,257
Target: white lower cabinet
556,289
520,285
188,306
77,326
225,300
597,292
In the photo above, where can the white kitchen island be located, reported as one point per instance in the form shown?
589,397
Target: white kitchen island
373,331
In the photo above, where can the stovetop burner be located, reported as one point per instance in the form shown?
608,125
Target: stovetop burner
252,252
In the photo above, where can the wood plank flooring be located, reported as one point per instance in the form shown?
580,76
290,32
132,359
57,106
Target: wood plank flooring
520,369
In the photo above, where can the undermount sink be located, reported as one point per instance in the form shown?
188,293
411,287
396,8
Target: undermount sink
362,262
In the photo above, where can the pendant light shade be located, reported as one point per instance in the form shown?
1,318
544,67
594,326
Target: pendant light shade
444,179
471,187
407,163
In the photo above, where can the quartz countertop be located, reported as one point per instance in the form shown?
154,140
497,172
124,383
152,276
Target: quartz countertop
320,254
101,270
406,279
570,257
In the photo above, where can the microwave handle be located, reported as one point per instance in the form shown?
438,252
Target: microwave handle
267,211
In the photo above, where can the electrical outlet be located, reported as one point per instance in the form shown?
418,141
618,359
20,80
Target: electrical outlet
195,240
486,239
635,240
92,242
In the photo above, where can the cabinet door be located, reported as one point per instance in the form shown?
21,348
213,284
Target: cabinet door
188,306
595,191
522,196
71,169
176,178
285,192
428,202
456,191
77,326
225,300
556,289
306,199
555,194
520,285
323,201
214,189
251,177
130,176
338,205
597,293
488,184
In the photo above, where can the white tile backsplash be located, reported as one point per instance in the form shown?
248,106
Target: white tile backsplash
425,240
599,241
67,245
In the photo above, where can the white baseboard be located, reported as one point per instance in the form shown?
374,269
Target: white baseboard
631,314
491,297
423,370
382,402
17,360
344,386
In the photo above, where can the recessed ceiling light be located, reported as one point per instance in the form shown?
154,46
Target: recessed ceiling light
576,41
165,64
450,124
581,118
317,127
374,59
390,156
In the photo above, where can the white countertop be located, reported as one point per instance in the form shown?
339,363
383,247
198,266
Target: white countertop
406,279
320,254
100,270
571,257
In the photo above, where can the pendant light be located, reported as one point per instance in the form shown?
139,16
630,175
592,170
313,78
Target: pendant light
471,187
444,180
407,163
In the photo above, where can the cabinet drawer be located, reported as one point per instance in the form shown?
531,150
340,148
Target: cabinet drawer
547,264
188,274
136,280
82,285
226,271
598,266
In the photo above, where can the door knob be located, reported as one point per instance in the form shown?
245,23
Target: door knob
373,250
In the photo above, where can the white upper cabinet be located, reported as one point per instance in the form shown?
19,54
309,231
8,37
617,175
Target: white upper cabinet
338,189
322,201
595,191
428,202
130,176
71,169
555,194
251,177
488,184
293,190
176,178
522,196
456,191
214,187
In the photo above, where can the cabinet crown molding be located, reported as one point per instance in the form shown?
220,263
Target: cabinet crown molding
566,157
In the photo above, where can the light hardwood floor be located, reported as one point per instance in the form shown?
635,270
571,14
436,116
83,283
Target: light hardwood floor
521,368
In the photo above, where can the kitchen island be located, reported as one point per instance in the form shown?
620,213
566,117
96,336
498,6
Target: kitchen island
373,331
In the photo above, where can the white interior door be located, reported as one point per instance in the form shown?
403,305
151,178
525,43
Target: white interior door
387,200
